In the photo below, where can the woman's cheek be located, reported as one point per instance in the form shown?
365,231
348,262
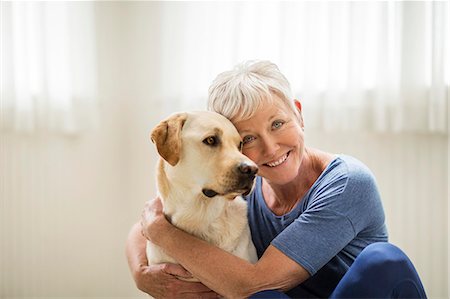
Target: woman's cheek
252,154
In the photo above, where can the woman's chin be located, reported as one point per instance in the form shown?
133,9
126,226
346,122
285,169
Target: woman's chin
279,176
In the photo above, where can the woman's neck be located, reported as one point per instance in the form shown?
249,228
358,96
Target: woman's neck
281,199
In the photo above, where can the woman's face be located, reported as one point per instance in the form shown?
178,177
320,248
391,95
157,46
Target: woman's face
273,139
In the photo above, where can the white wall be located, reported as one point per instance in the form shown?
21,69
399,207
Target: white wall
67,202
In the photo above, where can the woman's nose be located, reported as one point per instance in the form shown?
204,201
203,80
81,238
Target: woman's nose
270,147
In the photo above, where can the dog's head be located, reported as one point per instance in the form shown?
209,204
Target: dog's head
203,150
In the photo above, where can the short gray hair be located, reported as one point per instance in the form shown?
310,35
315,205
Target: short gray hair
238,93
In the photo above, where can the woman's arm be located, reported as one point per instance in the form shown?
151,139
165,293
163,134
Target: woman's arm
135,251
160,281
221,271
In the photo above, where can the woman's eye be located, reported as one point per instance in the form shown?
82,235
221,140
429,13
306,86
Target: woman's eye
277,124
211,141
247,139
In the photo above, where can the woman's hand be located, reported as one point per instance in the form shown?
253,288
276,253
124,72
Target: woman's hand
160,281
153,220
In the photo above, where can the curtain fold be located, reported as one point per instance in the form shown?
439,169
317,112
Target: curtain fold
49,71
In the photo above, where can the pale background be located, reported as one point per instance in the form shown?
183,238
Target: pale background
69,200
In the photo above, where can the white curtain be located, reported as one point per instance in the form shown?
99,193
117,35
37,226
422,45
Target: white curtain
378,66
49,77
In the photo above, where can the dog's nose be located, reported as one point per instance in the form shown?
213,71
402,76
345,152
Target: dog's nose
247,168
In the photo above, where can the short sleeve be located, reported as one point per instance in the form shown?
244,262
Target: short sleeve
344,203
314,238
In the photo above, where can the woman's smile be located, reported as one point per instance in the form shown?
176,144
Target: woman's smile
278,162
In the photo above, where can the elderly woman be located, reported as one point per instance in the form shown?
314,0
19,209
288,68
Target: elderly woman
311,213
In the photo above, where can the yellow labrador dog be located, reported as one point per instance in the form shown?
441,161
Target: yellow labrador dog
201,176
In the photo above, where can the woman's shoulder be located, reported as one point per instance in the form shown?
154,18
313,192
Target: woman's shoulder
343,175
357,171
357,183
349,166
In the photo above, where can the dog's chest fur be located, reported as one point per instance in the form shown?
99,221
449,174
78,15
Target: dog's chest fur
217,220
222,223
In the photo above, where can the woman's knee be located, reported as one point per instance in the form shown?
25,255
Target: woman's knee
391,268
381,256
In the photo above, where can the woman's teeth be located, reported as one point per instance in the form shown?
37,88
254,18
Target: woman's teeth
278,162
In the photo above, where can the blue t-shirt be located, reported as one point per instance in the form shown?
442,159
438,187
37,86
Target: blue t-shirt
336,219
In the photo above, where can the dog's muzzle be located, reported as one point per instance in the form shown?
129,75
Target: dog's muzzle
244,174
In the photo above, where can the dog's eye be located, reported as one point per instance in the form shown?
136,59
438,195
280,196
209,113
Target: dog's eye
211,141
241,144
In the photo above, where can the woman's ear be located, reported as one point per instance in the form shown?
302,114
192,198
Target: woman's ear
298,105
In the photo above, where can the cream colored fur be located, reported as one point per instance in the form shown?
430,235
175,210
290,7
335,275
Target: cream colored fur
194,165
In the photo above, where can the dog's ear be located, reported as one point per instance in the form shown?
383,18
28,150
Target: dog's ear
167,137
